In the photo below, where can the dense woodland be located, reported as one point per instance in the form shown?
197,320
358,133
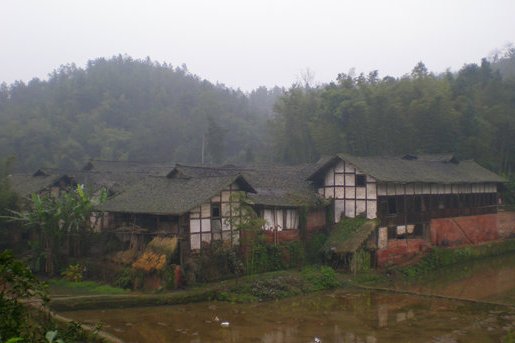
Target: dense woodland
123,108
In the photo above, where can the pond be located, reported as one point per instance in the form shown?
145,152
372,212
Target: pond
338,316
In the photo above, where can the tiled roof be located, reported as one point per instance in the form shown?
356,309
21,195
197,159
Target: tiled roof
168,196
443,169
26,184
284,186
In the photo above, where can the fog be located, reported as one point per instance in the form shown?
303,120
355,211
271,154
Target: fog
250,43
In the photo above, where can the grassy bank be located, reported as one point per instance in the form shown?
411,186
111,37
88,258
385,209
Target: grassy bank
61,287
262,287
277,285
438,261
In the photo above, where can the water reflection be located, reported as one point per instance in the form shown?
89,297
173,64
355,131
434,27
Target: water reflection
340,316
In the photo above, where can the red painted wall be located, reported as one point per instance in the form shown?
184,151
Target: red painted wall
464,230
400,250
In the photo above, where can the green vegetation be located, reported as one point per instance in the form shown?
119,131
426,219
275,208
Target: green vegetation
127,109
509,338
19,322
220,261
8,199
469,112
57,221
67,287
279,285
442,257
121,108
320,278
345,246
16,283
440,263
343,231
74,272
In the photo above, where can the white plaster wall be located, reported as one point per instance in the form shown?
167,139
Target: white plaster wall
371,209
360,207
349,179
361,192
339,206
205,210
329,177
349,208
371,191
339,192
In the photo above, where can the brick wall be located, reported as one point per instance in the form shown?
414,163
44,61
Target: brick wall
281,236
400,250
467,230
316,220
506,224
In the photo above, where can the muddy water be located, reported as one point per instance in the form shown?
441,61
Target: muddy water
491,280
339,316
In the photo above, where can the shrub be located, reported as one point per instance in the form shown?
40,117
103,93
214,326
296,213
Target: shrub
74,272
125,279
216,261
313,248
17,282
318,279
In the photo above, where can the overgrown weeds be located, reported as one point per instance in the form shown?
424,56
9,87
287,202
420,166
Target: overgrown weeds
279,285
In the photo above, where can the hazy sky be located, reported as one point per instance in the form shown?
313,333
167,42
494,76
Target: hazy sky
247,43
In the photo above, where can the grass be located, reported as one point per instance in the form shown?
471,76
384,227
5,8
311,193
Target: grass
254,288
438,261
280,285
63,287
443,257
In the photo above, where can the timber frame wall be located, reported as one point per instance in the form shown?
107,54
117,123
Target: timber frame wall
201,221
350,200
414,202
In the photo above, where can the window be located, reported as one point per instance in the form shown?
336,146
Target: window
361,180
215,211
392,205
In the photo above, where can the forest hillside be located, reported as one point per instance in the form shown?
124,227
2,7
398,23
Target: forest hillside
127,109
122,108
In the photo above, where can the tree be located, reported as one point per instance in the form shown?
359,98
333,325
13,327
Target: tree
215,140
8,199
16,283
56,221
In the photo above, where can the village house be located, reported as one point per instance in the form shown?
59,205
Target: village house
284,198
197,211
42,181
418,201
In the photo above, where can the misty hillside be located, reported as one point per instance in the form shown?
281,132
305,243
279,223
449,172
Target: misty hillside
506,64
470,113
123,108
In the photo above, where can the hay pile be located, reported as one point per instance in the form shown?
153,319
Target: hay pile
156,254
